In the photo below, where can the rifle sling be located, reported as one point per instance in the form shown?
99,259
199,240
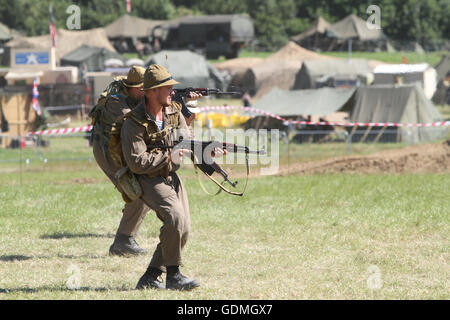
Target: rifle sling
220,185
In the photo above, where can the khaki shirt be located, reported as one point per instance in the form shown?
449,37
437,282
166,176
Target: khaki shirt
135,138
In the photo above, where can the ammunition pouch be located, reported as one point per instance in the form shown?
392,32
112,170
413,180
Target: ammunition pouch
128,183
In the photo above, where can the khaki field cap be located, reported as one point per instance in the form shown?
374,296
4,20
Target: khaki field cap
135,77
157,76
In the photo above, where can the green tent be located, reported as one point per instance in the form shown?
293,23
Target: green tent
314,72
93,57
318,102
5,34
131,27
353,27
397,104
442,94
314,36
189,68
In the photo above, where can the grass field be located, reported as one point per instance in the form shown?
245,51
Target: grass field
297,237
390,57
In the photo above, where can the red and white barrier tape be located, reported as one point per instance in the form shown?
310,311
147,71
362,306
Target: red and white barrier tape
268,114
326,123
62,131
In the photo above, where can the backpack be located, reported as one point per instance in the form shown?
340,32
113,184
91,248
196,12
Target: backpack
113,88
125,178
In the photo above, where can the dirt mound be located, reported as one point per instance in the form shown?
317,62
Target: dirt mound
293,51
427,158
238,65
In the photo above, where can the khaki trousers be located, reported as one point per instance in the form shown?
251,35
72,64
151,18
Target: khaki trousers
168,198
133,212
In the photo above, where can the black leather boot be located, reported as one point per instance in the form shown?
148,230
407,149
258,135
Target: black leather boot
149,280
177,281
125,246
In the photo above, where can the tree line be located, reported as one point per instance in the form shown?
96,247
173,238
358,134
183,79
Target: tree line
275,20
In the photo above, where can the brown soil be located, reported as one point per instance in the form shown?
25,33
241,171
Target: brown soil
427,158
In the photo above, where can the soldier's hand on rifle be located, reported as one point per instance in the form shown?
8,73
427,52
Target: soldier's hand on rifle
176,155
193,96
218,152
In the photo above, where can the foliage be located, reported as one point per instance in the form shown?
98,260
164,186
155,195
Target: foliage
275,21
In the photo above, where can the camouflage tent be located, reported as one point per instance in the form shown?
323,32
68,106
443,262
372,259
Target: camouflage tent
189,68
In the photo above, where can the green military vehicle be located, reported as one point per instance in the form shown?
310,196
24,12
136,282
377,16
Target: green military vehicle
213,35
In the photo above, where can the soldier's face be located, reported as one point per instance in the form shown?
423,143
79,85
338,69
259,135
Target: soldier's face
165,95
136,92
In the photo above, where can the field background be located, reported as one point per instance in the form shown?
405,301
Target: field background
301,236
291,236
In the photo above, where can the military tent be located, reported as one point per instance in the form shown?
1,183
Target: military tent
278,70
130,27
318,102
221,34
442,94
330,104
93,57
314,74
66,41
189,68
7,33
126,32
421,73
397,104
354,28
313,37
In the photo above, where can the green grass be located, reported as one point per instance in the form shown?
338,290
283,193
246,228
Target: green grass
296,237
431,58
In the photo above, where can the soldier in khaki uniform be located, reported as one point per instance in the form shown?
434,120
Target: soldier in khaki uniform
122,96
154,121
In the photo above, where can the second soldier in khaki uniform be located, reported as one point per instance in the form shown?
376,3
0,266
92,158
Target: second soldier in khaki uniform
122,95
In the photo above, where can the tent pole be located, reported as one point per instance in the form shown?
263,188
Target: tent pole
365,134
349,50
379,134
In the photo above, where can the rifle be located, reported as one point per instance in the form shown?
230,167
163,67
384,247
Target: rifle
204,162
183,93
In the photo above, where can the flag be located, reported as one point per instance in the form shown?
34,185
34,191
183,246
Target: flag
128,6
52,27
35,100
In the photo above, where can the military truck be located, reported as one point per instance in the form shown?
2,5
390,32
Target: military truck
213,35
